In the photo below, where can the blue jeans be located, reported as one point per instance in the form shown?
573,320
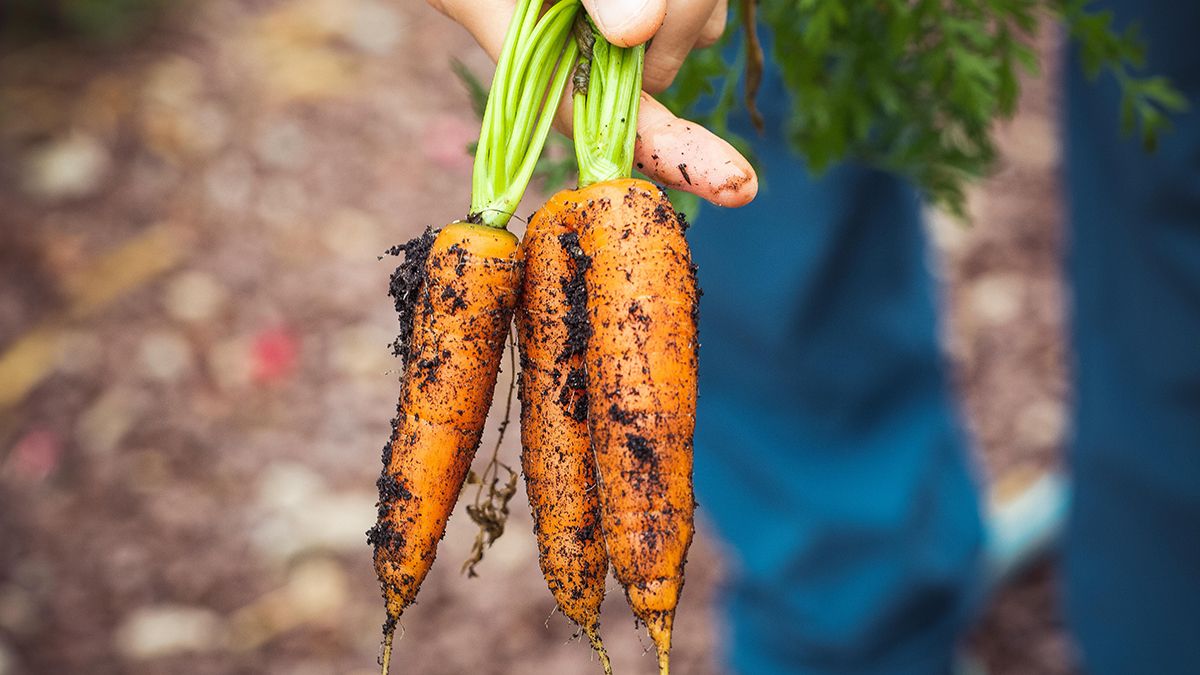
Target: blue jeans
828,451
1133,540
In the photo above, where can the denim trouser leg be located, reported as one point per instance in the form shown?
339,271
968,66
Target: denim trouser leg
1133,544
828,451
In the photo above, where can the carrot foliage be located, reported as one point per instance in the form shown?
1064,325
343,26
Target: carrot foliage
910,85
532,70
607,94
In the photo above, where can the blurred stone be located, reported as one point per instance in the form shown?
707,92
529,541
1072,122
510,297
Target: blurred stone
8,661
18,611
164,355
286,486
996,299
230,183
1032,141
316,592
103,425
165,630
67,168
299,515
317,589
105,103
291,50
282,145
194,296
34,456
175,81
79,352
361,350
197,130
1042,423
282,203
949,235
374,28
353,235
231,362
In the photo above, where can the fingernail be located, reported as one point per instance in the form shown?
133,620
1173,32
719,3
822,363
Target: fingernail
628,22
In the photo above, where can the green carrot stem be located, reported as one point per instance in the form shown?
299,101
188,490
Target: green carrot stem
606,110
534,63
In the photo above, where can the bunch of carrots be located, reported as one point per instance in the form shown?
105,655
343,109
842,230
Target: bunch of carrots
605,300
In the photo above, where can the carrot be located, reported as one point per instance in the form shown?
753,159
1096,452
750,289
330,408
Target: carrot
456,293
560,471
641,355
460,302
641,386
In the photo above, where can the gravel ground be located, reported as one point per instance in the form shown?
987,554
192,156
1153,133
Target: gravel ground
196,380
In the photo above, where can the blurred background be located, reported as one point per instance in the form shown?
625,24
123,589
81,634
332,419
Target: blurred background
195,379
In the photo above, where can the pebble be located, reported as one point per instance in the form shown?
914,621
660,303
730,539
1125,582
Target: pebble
230,183
8,661
165,630
374,28
1042,423
996,299
79,352
282,145
286,486
194,297
353,235
299,514
102,426
282,203
361,351
175,81
164,355
317,589
66,168
18,612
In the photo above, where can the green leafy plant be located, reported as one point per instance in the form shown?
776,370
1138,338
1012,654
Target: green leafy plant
104,21
912,86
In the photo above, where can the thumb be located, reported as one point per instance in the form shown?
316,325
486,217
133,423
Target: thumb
626,23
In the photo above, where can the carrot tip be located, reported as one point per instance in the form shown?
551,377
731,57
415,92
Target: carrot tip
598,646
385,658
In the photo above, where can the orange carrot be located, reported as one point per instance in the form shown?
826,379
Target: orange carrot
560,471
641,355
456,293
641,365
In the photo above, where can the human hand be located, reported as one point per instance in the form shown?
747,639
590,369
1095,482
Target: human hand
675,152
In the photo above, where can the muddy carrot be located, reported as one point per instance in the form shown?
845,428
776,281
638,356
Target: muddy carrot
455,293
560,471
641,355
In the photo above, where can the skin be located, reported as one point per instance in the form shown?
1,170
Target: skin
641,365
560,470
460,321
715,171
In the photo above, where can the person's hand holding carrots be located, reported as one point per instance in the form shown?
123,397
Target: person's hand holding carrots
675,152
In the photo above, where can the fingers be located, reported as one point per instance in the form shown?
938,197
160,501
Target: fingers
672,42
674,152
715,28
683,155
626,23
686,156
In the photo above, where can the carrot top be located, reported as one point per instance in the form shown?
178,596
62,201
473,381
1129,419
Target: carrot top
530,76
608,86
